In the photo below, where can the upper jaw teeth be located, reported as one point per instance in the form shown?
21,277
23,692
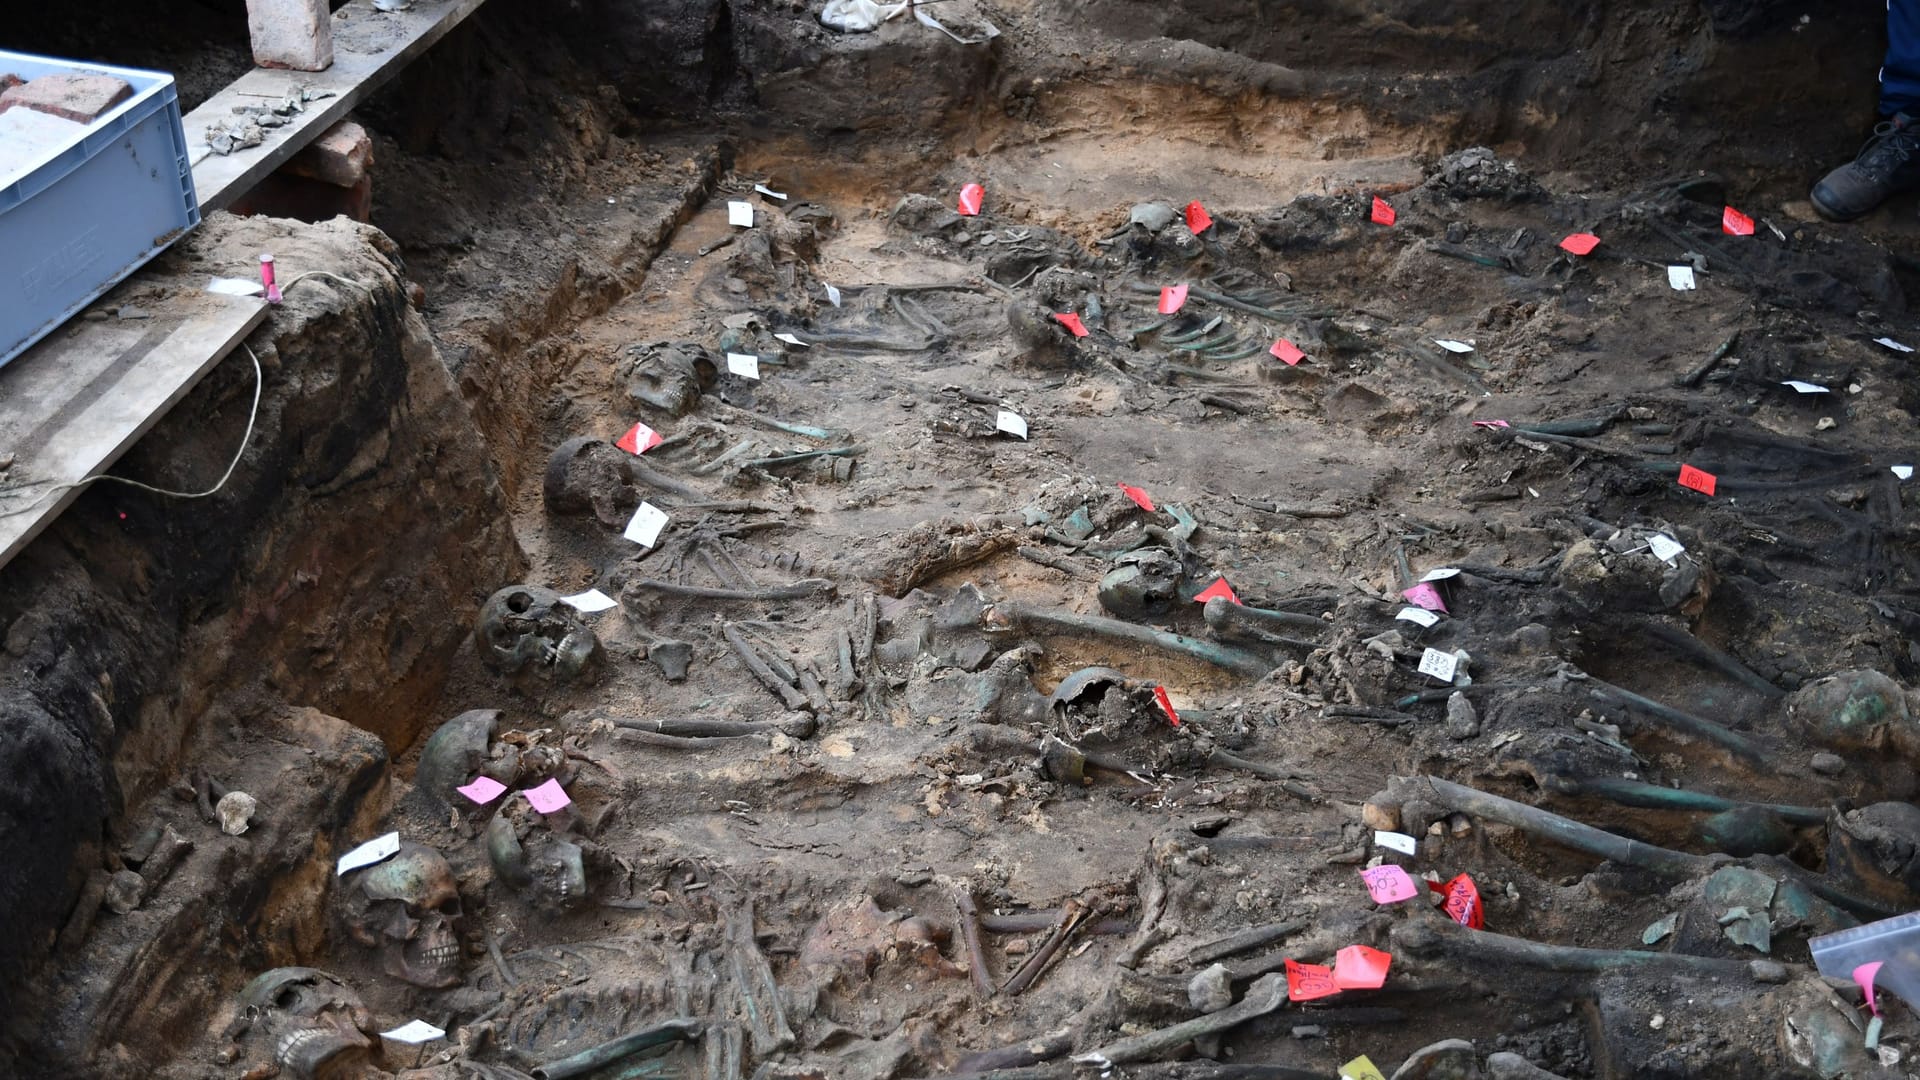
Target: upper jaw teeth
294,1040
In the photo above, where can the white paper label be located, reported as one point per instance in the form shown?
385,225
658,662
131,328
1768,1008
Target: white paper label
769,192
1438,664
1665,548
745,365
1418,615
645,527
381,847
1805,387
1441,574
791,340
233,286
740,213
1892,344
1010,422
1452,346
1681,278
1397,841
1904,472
414,1031
833,296
588,602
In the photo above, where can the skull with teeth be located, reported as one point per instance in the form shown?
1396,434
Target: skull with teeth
528,627
535,861
311,1024
408,908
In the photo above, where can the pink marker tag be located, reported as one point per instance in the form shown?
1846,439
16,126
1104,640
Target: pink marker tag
1172,297
1383,213
483,790
970,198
1491,424
639,439
1218,588
1580,243
1735,223
1864,976
1388,884
1166,705
1072,323
548,797
1697,479
1198,220
1424,595
1306,982
1357,967
1139,497
1287,352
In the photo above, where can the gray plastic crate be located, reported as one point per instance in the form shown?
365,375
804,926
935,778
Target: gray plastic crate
77,218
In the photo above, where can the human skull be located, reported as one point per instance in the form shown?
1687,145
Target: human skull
408,908
311,1024
587,475
528,627
455,753
536,863
670,376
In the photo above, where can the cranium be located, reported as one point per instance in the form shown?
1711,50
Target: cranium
670,376
526,626
311,1024
536,863
455,753
408,908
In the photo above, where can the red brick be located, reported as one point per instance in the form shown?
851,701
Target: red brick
340,156
8,81
70,97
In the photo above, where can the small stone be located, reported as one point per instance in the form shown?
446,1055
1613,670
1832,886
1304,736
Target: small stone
1460,825
1381,817
1463,720
1309,1031
1657,1022
1768,971
1211,990
1828,764
124,890
235,810
1827,423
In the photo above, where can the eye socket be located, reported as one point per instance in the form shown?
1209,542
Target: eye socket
253,1013
449,907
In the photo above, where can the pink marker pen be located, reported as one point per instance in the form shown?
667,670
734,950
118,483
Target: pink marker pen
266,278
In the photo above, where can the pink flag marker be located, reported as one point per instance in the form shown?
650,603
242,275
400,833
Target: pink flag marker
548,797
1383,213
1424,595
1172,297
1698,479
1166,705
1198,220
483,790
1388,884
970,198
1580,243
1308,982
1287,352
1864,976
1139,497
639,439
1735,223
1218,588
1358,967
266,278
1491,424
1072,323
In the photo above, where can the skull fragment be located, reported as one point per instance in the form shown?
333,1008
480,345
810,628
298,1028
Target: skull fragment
312,1025
408,909
529,628
670,376
535,862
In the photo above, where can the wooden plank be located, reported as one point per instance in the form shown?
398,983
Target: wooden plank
71,405
369,47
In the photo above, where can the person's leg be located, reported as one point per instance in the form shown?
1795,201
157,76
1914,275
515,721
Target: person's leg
1900,78
1890,162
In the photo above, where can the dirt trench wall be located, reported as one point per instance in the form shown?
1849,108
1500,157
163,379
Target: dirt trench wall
338,569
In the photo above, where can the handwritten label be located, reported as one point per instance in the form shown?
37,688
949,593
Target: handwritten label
1010,422
1198,220
1418,615
791,340
1382,212
1461,902
1424,595
1864,976
589,602
1453,346
1361,1068
1218,588
1735,223
548,797
1580,243
1904,472
1698,480
1892,344
1388,884
483,789
645,525
414,1031
769,192
740,214
373,851
1172,298
1665,548
1681,278
745,365
970,198
833,296
1396,841
1072,323
639,439
1287,352
1139,497
1305,982
1358,967
1438,664
1166,705
1806,387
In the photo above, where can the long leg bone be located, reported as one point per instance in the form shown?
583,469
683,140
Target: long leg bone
1263,997
1023,616
789,696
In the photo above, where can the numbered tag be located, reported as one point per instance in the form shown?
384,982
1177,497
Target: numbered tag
1388,884
1218,588
1702,482
1580,243
639,439
1665,548
1287,352
1396,841
645,525
971,197
1361,1068
373,851
1892,344
1010,422
1735,223
1806,387
1382,212
1453,346
1172,298
1424,595
1306,982
1198,220
1139,497
1358,967
833,296
483,789
1418,615
745,365
1438,664
414,1031
740,214
1461,902
1681,278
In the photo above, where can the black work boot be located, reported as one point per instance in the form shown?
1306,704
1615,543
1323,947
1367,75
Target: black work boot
1889,163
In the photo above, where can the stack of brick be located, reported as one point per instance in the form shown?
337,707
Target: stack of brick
332,175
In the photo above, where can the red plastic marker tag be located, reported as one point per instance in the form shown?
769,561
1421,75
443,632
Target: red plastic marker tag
1171,298
1462,903
1864,976
1698,480
1735,223
1580,243
1424,595
639,439
1072,323
1305,982
1491,424
1139,497
1357,967
1382,213
1198,220
1388,884
970,197
1218,588
1166,705
1288,352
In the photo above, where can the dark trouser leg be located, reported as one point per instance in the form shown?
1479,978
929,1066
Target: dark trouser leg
1900,78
